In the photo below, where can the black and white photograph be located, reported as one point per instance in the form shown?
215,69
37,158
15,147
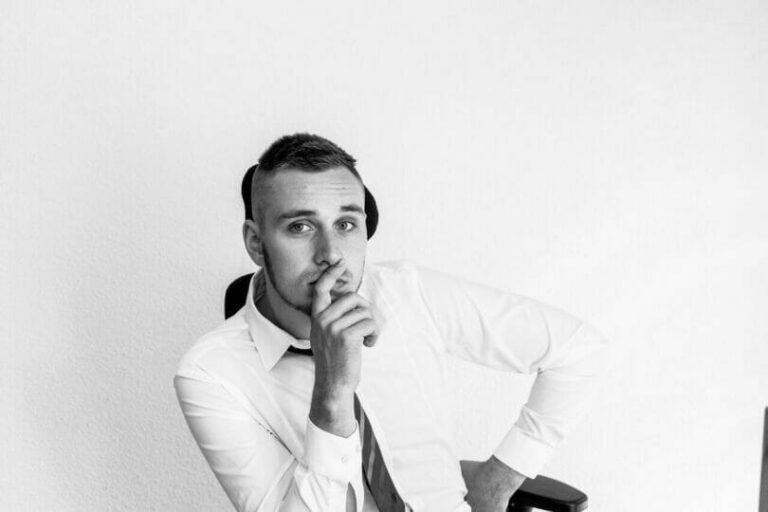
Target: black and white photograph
384,257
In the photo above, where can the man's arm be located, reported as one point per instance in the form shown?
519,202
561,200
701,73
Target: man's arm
253,466
508,332
339,330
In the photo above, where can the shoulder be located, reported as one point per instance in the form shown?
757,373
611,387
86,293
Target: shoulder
389,268
391,277
405,272
218,348
405,276
399,271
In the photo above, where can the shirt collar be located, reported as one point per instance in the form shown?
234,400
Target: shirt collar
271,341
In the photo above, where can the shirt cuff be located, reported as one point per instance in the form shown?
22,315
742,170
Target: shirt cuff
523,453
338,458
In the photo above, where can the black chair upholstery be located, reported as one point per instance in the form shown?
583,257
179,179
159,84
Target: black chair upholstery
540,493
234,298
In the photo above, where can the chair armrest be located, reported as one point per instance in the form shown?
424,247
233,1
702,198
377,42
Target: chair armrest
547,494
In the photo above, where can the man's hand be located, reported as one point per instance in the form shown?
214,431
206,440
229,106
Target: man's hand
338,332
490,484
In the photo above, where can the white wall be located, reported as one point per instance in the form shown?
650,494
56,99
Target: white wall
606,157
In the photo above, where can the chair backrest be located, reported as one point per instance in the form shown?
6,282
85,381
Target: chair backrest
237,291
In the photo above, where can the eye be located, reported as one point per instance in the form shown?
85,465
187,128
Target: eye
347,225
298,227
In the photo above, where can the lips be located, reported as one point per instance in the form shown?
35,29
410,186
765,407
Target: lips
314,279
340,281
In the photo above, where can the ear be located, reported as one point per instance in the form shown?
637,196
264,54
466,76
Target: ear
252,239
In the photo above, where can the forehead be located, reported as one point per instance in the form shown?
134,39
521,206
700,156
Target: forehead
323,191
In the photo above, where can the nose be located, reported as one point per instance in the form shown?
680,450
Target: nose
327,249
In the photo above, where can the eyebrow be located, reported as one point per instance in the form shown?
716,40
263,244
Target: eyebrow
292,214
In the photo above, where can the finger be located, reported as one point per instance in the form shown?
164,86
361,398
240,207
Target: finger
343,305
350,318
371,340
362,329
324,285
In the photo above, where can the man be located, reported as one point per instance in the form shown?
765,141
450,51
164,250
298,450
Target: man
324,391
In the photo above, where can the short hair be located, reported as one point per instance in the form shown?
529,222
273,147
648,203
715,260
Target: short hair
304,151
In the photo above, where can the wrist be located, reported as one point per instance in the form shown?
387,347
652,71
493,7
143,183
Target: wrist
499,481
503,472
333,412
490,484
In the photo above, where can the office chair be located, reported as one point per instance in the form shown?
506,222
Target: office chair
540,493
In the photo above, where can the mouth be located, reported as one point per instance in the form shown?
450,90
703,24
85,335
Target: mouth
339,282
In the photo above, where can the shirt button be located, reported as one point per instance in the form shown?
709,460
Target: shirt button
345,459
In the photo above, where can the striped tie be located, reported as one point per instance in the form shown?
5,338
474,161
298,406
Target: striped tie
376,475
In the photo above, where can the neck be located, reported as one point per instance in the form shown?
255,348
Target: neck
280,313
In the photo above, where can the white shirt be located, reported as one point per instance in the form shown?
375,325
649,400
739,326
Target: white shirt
246,399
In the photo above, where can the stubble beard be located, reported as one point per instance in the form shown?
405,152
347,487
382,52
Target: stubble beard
304,308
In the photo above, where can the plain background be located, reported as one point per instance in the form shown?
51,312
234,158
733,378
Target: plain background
606,157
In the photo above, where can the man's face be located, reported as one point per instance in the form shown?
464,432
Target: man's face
310,220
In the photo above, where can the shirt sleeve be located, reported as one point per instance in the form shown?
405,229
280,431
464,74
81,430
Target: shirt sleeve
252,464
509,332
